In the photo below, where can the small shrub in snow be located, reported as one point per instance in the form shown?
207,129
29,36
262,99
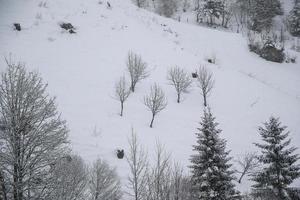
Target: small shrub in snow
68,27
120,153
195,74
17,26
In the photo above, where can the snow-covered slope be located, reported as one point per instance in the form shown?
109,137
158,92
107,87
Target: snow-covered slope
82,68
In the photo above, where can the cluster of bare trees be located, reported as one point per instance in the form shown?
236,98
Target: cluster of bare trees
161,181
35,159
182,81
156,100
137,70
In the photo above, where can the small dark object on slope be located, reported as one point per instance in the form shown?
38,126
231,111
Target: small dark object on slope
194,75
120,153
72,31
108,5
17,26
66,26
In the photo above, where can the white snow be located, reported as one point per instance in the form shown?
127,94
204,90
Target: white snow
82,68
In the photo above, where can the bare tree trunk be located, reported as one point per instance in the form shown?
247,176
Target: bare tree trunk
122,107
204,98
151,124
132,87
178,97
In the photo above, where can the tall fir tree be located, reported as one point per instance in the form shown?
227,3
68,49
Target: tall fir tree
279,164
212,177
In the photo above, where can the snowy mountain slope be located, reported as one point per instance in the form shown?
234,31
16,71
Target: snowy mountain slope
82,68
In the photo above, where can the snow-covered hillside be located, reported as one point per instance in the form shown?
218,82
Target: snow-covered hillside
82,68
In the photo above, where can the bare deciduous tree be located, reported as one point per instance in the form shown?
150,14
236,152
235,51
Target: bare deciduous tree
155,101
122,92
205,82
33,135
159,177
177,178
138,163
70,176
248,163
104,182
181,184
180,79
137,69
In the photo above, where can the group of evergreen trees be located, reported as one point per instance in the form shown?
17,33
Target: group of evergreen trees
212,176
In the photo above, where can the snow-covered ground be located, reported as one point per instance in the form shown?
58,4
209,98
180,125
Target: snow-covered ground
82,68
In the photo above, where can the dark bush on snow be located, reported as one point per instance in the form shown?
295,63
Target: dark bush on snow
271,53
17,26
120,153
68,26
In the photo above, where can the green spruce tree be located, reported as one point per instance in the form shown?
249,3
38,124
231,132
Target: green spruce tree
279,167
211,171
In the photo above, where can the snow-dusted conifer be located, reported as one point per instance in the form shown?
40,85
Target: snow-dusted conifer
279,163
294,20
211,171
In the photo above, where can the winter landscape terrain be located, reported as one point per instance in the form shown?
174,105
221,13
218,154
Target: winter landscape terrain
81,70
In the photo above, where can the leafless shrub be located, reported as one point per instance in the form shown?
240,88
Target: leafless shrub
180,79
122,92
137,69
205,82
155,101
138,163
104,182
